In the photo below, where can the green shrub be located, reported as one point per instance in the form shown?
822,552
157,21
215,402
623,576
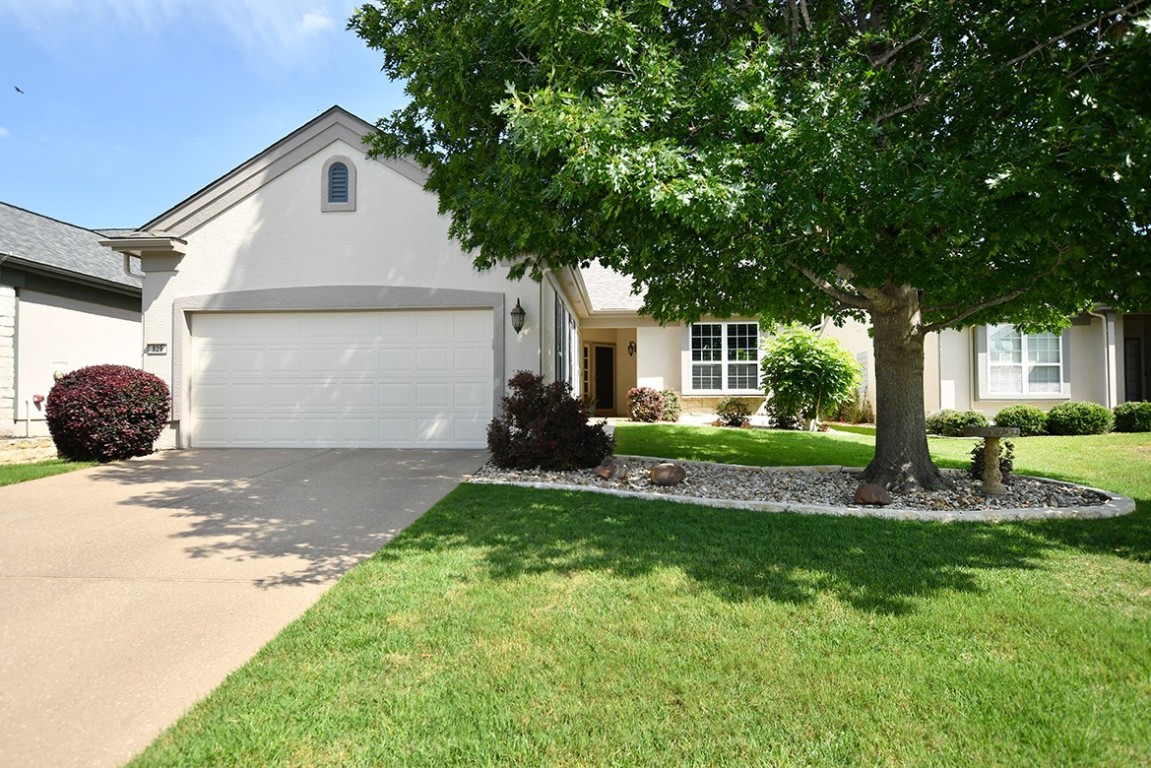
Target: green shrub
1080,418
806,374
107,413
545,427
733,411
1133,417
857,411
1006,460
950,422
645,404
672,408
1028,419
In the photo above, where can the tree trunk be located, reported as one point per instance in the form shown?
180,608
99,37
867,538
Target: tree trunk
902,461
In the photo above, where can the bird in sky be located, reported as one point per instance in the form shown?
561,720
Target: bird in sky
18,89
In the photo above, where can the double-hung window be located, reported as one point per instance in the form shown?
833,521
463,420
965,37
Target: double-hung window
725,357
1023,363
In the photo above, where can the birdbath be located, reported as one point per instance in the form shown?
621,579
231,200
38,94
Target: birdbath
992,477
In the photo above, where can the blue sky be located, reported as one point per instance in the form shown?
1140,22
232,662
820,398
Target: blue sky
130,106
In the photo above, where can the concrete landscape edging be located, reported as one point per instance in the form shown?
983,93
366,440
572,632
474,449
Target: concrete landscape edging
1114,505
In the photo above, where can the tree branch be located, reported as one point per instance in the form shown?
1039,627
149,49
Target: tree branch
915,103
883,60
843,297
1121,10
957,319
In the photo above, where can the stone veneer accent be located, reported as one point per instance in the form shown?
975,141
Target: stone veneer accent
7,358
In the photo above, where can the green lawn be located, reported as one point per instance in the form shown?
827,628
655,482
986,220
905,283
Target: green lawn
19,473
517,627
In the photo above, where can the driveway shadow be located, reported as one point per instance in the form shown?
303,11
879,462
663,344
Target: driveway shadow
297,516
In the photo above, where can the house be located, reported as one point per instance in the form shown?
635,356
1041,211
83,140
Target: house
1102,357
311,297
65,303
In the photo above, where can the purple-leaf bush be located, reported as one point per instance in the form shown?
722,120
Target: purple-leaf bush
545,427
107,413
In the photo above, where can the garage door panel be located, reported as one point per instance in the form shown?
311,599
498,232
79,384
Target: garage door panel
362,379
433,362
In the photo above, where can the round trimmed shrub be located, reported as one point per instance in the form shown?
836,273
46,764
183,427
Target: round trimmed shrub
646,404
732,411
672,408
1080,418
950,422
1028,419
1133,417
107,413
544,426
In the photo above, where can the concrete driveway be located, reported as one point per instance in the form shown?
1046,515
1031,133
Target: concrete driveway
129,591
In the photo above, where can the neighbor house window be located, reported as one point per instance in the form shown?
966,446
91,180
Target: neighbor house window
1023,363
339,185
725,357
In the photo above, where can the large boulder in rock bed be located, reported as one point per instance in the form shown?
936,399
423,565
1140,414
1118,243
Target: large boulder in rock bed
872,495
668,474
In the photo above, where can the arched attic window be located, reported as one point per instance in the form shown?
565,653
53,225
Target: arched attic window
339,185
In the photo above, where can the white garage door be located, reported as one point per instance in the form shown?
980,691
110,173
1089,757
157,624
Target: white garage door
390,379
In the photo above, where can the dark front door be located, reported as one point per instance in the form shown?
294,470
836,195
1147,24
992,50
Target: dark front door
604,378
1133,369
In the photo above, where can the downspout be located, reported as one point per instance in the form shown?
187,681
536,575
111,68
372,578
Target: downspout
1108,359
128,267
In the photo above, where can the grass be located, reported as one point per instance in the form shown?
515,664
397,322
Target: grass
517,627
19,473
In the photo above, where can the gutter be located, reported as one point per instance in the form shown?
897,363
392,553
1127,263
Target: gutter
1108,358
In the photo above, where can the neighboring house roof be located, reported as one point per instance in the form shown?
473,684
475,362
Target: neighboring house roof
40,244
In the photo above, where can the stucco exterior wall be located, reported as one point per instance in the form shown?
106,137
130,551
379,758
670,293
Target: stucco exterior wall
279,238
658,356
63,334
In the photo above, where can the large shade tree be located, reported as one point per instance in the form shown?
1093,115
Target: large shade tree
920,165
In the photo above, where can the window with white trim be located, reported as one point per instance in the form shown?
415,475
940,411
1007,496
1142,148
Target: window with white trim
725,357
1023,363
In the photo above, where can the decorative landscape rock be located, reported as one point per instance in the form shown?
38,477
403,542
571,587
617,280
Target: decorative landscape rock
870,493
668,474
830,486
606,470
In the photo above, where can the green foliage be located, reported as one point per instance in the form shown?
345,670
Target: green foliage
646,404
107,413
1133,417
20,473
1080,418
733,411
1028,419
1006,460
806,374
672,408
545,427
950,422
932,165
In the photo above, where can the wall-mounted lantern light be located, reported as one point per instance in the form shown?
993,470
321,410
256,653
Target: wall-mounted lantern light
518,313
631,348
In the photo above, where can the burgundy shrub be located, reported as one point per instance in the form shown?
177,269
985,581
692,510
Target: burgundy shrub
107,412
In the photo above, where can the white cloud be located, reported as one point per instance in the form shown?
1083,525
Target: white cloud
4,133
277,30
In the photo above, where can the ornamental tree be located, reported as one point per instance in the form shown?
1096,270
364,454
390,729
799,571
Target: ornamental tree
806,373
920,165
